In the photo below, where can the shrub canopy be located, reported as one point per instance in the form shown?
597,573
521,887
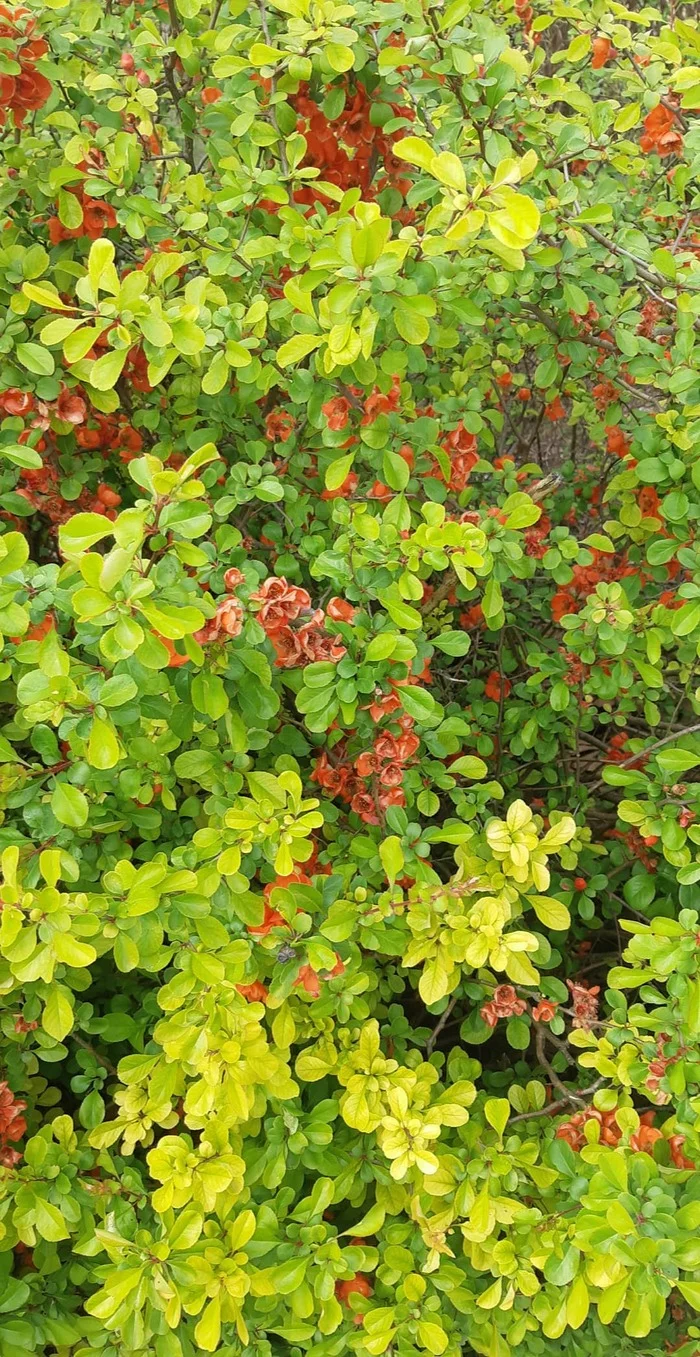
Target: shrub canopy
350,614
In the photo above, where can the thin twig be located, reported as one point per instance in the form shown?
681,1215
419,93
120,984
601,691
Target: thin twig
644,753
541,1032
101,1059
558,1106
442,1022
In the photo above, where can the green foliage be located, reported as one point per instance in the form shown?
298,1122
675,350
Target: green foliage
350,630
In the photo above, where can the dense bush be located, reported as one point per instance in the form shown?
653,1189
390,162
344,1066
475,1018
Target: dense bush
350,608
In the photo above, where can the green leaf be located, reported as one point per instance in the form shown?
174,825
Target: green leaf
391,854
415,151
103,746
46,296
690,1291
448,168
338,471
81,532
297,348
49,1222
395,471
413,328
57,1018
552,913
497,1112
402,614
432,1337
453,642
100,259
237,356
35,358
381,646
677,760
339,58
188,338
468,766
261,54
106,371
516,225
216,376
69,805
418,703
55,331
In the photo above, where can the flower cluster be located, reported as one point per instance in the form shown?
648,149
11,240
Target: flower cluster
573,1130
348,150
293,626
12,1125
27,90
505,1003
97,215
604,568
661,132
371,782
584,999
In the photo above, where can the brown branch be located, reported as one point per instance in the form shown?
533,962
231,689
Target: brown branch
101,1060
644,753
558,1106
541,1032
441,1023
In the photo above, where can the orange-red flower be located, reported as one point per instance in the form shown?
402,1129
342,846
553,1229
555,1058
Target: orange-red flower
661,132
279,426
545,1010
496,685
337,413
256,993
308,979
271,919
603,50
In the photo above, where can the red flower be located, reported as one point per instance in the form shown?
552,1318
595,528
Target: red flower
210,94
256,993
16,402
227,621
337,413
495,686
175,659
358,1284
562,603
680,1160
279,426
232,578
648,501
662,134
545,1010
271,919
585,1003
380,491
12,1124
98,217
30,93
340,610
343,491
282,603
602,51
504,1004
555,410
308,980
70,408
617,442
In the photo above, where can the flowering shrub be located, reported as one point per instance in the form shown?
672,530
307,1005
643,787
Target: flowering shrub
350,625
